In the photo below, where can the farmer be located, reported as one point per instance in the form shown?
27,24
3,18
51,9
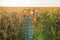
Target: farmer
27,25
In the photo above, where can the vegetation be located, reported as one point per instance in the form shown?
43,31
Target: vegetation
46,27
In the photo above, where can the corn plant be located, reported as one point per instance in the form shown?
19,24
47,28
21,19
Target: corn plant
46,26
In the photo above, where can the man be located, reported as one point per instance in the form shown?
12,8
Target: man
27,25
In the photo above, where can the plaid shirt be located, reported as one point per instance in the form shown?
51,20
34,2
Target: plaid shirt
27,27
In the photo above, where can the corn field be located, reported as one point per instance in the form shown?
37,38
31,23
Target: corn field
46,27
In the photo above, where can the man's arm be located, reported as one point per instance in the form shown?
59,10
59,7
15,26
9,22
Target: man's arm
34,15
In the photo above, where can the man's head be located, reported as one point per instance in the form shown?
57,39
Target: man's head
26,12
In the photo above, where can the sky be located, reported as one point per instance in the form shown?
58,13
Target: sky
28,3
